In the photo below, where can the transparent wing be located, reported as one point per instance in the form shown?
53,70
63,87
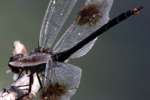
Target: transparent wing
55,16
80,30
68,95
65,76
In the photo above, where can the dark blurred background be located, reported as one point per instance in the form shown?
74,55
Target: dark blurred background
117,68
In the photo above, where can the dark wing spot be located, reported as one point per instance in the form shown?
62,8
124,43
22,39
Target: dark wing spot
89,14
53,92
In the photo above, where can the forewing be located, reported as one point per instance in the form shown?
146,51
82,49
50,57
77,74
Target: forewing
80,29
55,16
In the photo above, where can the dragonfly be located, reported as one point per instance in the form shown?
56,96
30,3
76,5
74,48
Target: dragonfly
62,79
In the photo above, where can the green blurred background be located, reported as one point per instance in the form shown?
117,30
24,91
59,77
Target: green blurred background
117,68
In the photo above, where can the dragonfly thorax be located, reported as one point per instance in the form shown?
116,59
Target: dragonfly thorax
35,60
41,50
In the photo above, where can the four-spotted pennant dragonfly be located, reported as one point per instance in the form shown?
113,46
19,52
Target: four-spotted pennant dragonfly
60,77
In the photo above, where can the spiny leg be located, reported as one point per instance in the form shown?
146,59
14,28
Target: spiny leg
30,82
20,74
39,80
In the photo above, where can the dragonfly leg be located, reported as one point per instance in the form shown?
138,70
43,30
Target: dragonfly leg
39,80
30,82
19,74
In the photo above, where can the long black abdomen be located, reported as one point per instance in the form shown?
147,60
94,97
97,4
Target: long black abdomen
66,54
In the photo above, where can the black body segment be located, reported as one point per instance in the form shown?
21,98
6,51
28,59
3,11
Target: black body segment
62,56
